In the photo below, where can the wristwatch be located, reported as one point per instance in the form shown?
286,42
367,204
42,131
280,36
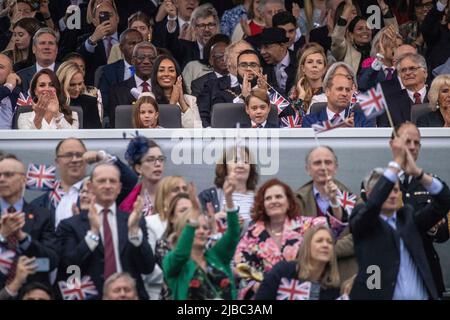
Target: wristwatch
93,236
91,42
395,165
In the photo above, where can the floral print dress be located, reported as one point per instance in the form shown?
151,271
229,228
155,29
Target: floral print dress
259,251
209,285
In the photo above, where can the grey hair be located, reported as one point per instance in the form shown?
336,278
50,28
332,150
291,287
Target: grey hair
372,178
204,11
325,147
42,31
328,79
115,276
415,57
144,44
263,3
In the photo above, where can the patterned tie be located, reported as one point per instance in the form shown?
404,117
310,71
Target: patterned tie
145,87
12,245
417,99
108,46
110,257
336,116
389,74
132,70
183,31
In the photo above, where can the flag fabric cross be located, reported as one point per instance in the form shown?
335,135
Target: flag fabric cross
293,290
56,193
23,101
78,291
346,200
292,121
327,125
6,261
278,100
372,102
41,177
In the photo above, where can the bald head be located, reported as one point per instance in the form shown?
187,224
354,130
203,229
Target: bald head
12,180
5,68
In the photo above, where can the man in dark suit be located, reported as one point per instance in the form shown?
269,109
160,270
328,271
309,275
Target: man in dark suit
25,229
412,69
417,196
388,240
95,47
120,70
280,63
105,240
144,54
257,107
339,90
205,24
45,49
9,92
285,20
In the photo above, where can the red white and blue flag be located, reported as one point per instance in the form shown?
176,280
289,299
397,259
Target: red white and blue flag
78,291
56,194
327,125
41,177
6,261
23,101
346,200
372,102
293,290
292,121
278,100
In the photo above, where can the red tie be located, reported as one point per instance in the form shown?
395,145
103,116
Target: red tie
417,99
336,116
110,257
145,87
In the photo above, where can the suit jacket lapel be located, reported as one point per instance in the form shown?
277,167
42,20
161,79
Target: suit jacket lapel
29,218
323,116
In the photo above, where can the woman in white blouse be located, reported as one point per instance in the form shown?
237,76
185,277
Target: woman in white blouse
168,88
50,110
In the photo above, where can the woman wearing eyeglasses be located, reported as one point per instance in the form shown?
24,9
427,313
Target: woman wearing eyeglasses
145,157
169,88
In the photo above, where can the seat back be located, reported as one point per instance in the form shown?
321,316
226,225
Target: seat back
418,110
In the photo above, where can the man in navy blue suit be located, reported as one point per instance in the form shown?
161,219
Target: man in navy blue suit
105,240
338,88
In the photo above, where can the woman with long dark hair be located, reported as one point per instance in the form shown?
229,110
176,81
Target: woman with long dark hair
169,88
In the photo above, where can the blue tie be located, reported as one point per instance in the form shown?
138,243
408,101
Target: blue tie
132,70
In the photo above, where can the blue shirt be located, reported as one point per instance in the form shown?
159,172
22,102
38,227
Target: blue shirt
322,203
409,285
231,18
6,113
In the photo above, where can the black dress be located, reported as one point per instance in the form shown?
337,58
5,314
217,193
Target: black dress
91,119
431,119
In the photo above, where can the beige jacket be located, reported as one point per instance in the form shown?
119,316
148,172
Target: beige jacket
343,50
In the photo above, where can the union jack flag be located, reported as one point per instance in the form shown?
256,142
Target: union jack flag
292,121
221,225
6,261
293,290
41,177
78,291
278,100
23,101
372,102
327,125
56,193
347,200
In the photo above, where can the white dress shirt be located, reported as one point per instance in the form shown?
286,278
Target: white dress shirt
423,93
139,82
50,67
330,114
127,74
64,208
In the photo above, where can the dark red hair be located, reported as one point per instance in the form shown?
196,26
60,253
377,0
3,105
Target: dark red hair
259,211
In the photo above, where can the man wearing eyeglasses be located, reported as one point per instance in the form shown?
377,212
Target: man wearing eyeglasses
204,24
412,69
71,160
144,54
25,228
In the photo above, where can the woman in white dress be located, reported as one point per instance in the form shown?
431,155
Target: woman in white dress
168,88
50,110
